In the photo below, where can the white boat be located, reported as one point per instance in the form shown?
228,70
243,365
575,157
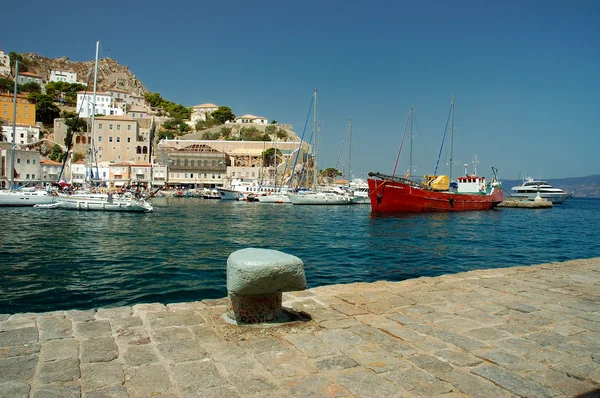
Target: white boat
274,197
360,191
25,197
101,202
321,198
530,188
229,194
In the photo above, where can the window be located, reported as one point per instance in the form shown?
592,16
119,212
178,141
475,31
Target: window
25,115
99,125
33,161
99,138
27,161
118,139
118,127
110,139
33,176
27,176
192,162
129,127
128,139
18,160
110,126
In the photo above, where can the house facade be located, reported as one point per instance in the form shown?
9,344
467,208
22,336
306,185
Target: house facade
25,109
103,106
28,77
27,167
4,64
63,76
252,119
200,112
50,170
137,112
197,166
119,139
121,98
24,133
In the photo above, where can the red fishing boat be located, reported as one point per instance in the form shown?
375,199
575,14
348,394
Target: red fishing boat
390,193
398,194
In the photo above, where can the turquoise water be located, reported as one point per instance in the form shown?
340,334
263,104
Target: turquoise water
54,260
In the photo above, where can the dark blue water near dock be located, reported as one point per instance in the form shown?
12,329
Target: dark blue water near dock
55,260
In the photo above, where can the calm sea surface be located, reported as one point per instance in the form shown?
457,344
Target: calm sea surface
54,260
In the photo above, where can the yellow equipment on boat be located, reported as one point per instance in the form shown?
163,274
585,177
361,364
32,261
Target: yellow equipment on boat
437,183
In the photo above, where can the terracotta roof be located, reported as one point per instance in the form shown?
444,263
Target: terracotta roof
29,74
115,117
205,106
250,117
50,162
141,165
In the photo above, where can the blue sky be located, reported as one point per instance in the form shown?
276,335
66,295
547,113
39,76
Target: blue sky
525,73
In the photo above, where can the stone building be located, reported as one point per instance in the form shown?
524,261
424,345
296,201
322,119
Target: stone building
119,139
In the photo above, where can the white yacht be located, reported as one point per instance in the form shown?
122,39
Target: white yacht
530,188
25,197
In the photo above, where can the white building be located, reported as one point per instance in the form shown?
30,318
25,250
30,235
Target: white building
103,104
29,77
27,166
50,170
121,98
199,112
251,119
63,76
25,134
4,63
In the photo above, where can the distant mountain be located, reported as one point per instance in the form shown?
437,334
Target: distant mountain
582,187
111,74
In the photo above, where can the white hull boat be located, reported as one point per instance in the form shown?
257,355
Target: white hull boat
98,202
530,189
274,198
229,194
24,197
320,198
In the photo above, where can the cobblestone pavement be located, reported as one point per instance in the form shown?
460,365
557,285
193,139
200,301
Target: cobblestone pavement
523,331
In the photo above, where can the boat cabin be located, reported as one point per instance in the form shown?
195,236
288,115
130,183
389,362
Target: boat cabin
470,184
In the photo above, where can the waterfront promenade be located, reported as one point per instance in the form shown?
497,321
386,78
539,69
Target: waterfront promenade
524,331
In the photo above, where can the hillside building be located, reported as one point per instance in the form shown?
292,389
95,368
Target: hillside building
251,119
50,170
200,112
104,104
124,100
27,167
28,77
24,133
25,109
63,76
119,139
4,64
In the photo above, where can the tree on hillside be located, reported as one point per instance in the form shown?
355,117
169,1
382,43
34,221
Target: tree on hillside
13,56
223,114
177,110
63,91
268,156
331,172
45,110
153,99
31,87
7,84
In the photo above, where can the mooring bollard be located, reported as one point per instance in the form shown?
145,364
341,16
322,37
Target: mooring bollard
256,279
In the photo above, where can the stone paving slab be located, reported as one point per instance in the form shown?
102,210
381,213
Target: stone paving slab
522,331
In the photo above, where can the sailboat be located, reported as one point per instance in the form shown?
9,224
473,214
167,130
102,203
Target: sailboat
279,194
95,201
331,197
28,196
390,193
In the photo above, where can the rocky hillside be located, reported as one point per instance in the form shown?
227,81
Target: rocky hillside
111,74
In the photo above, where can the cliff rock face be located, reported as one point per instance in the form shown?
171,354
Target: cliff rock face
111,74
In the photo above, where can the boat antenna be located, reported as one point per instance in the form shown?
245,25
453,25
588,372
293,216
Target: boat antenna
451,139
14,128
410,160
91,143
443,140
402,143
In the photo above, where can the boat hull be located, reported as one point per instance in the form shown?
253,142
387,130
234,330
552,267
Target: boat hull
554,197
228,194
388,196
104,205
274,198
320,198
20,198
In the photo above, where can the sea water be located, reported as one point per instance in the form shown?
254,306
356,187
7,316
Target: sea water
57,259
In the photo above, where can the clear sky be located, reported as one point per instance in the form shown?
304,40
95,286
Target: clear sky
525,73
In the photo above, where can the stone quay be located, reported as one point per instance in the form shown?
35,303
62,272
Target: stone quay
531,331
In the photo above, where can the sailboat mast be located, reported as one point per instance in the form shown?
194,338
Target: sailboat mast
91,138
451,138
315,143
350,154
14,129
410,162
